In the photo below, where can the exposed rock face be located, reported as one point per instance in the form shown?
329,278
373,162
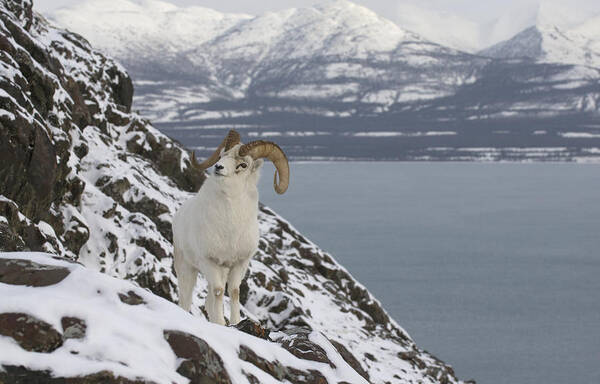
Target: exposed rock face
73,328
250,327
25,272
298,343
50,104
111,184
30,333
131,298
22,375
202,363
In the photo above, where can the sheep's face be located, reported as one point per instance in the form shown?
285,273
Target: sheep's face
234,171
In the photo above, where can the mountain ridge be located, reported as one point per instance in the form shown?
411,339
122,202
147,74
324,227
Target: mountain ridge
329,80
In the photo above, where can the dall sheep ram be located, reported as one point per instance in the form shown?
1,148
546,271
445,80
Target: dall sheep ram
216,231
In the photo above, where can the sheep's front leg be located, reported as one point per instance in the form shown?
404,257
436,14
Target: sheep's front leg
186,279
236,274
216,277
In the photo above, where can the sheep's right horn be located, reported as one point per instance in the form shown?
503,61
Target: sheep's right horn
268,149
228,142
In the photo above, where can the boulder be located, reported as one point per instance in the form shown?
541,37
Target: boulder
31,333
201,363
26,272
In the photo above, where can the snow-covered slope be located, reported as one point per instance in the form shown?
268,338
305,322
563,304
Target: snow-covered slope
80,322
549,44
84,178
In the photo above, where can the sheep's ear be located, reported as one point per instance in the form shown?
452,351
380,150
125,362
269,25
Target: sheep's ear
257,164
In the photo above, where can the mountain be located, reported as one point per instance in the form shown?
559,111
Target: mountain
88,189
550,44
337,81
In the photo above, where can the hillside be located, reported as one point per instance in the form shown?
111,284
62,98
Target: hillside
337,81
85,180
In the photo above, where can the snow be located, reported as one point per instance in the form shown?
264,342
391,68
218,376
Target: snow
560,34
163,23
396,134
128,340
579,135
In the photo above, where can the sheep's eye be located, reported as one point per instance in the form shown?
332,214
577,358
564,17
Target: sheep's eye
243,165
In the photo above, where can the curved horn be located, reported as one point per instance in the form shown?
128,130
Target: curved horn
232,139
228,142
267,149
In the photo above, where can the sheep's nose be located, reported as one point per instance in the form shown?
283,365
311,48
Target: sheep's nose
218,167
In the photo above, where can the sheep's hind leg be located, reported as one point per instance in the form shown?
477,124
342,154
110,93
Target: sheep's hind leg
216,276
186,279
236,274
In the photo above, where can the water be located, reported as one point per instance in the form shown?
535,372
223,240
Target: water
494,268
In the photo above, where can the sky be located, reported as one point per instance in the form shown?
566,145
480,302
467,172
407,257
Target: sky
463,24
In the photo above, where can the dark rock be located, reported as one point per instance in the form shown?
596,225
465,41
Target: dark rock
299,345
275,369
9,240
10,374
21,234
250,327
131,298
115,188
202,364
152,246
77,235
26,272
296,376
281,306
117,117
122,88
350,359
251,378
163,287
79,110
413,358
31,333
279,371
73,327
27,165
370,356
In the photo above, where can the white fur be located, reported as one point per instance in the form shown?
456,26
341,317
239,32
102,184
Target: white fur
216,233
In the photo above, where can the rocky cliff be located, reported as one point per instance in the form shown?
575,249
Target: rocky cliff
88,181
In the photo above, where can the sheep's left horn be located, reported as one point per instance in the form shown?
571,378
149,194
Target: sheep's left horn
228,142
267,149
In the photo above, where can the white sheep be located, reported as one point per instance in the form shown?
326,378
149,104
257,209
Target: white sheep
216,231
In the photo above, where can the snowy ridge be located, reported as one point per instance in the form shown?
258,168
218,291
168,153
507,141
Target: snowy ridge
84,178
324,43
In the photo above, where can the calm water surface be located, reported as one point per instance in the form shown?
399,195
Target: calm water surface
494,268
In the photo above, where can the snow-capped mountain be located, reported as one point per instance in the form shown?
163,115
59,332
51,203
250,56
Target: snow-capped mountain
331,80
558,36
549,44
86,181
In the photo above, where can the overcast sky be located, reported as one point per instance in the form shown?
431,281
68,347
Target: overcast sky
473,24
476,10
